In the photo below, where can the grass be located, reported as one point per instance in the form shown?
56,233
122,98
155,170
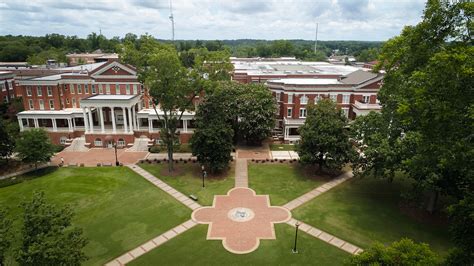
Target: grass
189,181
283,182
365,210
282,147
196,250
117,209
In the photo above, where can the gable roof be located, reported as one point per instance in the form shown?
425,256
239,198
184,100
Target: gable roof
358,77
114,64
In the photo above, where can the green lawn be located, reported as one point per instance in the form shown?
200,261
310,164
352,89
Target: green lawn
282,147
364,210
190,181
192,248
117,209
283,182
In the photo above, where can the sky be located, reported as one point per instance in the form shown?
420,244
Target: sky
370,20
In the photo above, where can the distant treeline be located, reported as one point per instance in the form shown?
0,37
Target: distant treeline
36,50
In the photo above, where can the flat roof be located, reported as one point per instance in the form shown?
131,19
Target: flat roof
110,97
306,81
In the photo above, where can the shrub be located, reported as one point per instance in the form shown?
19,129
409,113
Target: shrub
58,148
155,149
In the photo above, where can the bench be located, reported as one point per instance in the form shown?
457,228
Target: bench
106,164
193,197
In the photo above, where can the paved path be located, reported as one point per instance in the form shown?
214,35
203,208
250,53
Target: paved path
241,173
163,186
317,191
98,155
286,155
328,238
155,242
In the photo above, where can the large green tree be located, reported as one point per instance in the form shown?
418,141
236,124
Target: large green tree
34,146
324,140
7,144
403,252
6,235
48,237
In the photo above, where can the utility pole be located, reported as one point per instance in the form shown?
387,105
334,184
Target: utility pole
172,20
316,39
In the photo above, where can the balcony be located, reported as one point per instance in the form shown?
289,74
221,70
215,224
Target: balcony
361,108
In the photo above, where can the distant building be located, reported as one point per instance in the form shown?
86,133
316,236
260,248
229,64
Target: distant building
7,86
86,58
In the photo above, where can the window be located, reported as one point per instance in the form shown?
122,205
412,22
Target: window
121,143
290,98
135,90
79,88
302,112
39,91
49,91
98,142
41,104
51,104
73,102
93,89
304,99
345,111
2,87
277,96
28,91
67,100
5,98
117,89
63,140
365,99
10,85
71,87
127,89
346,98
101,89
86,88
333,97
289,112
107,89
30,103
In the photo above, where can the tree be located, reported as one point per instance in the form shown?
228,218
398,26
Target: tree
34,146
212,139
6,142
256,112
48,236
324,140
6,235
403,252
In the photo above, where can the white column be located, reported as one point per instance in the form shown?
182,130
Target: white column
134,117
86,122
286,132
69,124
138,124
91,122
55,126
73,123
20,122
125,119
185,125
36,122
112,113
150,125
131,119
101,115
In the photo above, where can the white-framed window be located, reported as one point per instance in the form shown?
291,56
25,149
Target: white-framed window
98,142
73,102
10,85
377,101
346,98
127,89
345,111
290,98
304,99
28,91
86,88
107,89
289,112
67,100
117,89
333,97
93,89
365,99
2,87
302,112
49,91
101,88
277,96
41,104
79,88
51,104
135,89
39,91
121,143
63,140
30,103
71,88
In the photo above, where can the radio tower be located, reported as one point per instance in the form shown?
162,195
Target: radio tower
172,20
316,39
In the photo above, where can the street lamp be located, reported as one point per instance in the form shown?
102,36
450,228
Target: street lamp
294,250
204,174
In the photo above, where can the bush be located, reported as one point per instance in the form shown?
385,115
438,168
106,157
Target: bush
58,148
155,149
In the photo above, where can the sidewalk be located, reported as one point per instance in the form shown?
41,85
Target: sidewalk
241,173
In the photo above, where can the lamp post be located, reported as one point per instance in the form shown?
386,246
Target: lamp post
294,250
116,158
204,174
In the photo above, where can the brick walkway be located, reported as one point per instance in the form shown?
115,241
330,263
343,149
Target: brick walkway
317,191
155,242
163,186
98,155
241,173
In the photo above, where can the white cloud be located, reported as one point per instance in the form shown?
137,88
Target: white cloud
213,19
